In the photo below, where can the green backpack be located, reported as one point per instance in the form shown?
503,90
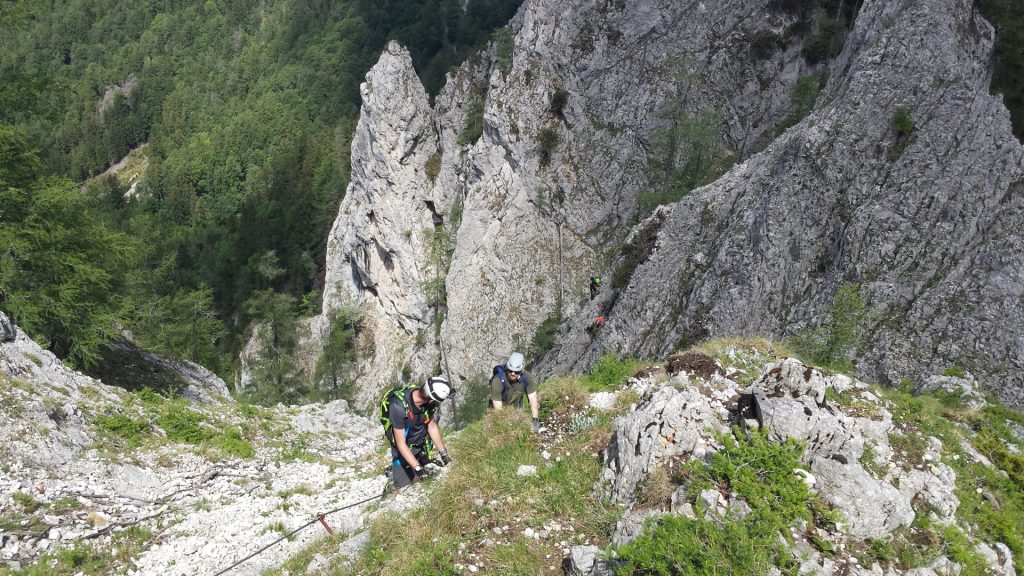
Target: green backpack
385,401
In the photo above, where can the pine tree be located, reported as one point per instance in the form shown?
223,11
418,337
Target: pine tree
61,269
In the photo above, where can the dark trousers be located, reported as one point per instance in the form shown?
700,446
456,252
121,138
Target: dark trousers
401,472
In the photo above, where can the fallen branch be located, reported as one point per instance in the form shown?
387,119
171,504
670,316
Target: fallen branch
114,525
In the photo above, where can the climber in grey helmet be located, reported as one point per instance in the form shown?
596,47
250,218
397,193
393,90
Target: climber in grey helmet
409,416
510,383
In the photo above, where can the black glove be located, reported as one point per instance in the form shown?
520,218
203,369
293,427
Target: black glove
423,473
536,424
445,458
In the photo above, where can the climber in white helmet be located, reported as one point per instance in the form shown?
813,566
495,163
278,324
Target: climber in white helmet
409,416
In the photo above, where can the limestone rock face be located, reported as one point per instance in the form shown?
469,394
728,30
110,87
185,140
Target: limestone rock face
380,243
7,331
66,433
571,104
672,423
126,365
928,223
536,223
790,403
536,201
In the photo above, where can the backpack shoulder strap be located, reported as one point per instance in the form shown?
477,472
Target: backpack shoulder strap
385,402
499,371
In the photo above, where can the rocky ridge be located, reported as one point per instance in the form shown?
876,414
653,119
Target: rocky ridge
854,460
925,222
73,481
529,225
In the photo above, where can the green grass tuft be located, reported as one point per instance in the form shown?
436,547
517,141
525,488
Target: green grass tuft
609,371
757,471
123,430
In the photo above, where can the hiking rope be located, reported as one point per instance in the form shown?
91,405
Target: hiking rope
319,518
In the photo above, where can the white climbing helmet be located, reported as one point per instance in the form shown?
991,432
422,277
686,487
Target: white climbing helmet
437,388
516,362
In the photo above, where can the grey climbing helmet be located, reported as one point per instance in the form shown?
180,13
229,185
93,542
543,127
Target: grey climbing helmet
516,362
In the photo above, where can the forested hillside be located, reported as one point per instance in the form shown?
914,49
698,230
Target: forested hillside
247,109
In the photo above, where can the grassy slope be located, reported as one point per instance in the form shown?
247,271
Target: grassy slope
452,529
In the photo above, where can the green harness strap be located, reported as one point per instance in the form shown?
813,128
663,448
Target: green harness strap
389,433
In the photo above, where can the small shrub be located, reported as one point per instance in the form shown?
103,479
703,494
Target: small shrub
547,140
127,431
761,473
802,99
869,461
902,124
77,557
149,397
312,303
65,505
833,344
765,44
827,41
955,371
656,488
558,101
691,152
909,445
184,425
675,544
503,47
544,337
26,502
609,371
474,399
433,166
297,450
339,355
881,550
232,443
473,127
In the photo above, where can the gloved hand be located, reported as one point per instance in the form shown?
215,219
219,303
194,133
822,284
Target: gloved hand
423,473
445,458
536,425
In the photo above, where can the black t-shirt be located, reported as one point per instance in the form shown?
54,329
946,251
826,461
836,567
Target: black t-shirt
413,421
